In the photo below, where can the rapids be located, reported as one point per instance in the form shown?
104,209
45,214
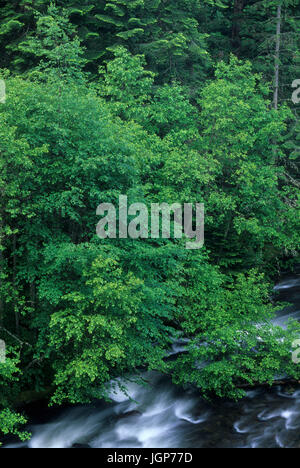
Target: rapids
161,415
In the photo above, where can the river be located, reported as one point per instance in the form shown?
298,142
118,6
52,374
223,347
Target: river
161,415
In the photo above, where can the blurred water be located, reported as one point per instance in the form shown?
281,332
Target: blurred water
161,415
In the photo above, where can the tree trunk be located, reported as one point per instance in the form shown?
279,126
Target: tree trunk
236,26
277,56
283,382
17,315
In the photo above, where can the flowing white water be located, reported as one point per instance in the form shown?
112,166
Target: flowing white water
160,415
164,417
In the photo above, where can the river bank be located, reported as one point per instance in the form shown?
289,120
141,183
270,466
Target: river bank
162,415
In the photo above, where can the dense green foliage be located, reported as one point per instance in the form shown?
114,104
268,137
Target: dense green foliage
163,103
